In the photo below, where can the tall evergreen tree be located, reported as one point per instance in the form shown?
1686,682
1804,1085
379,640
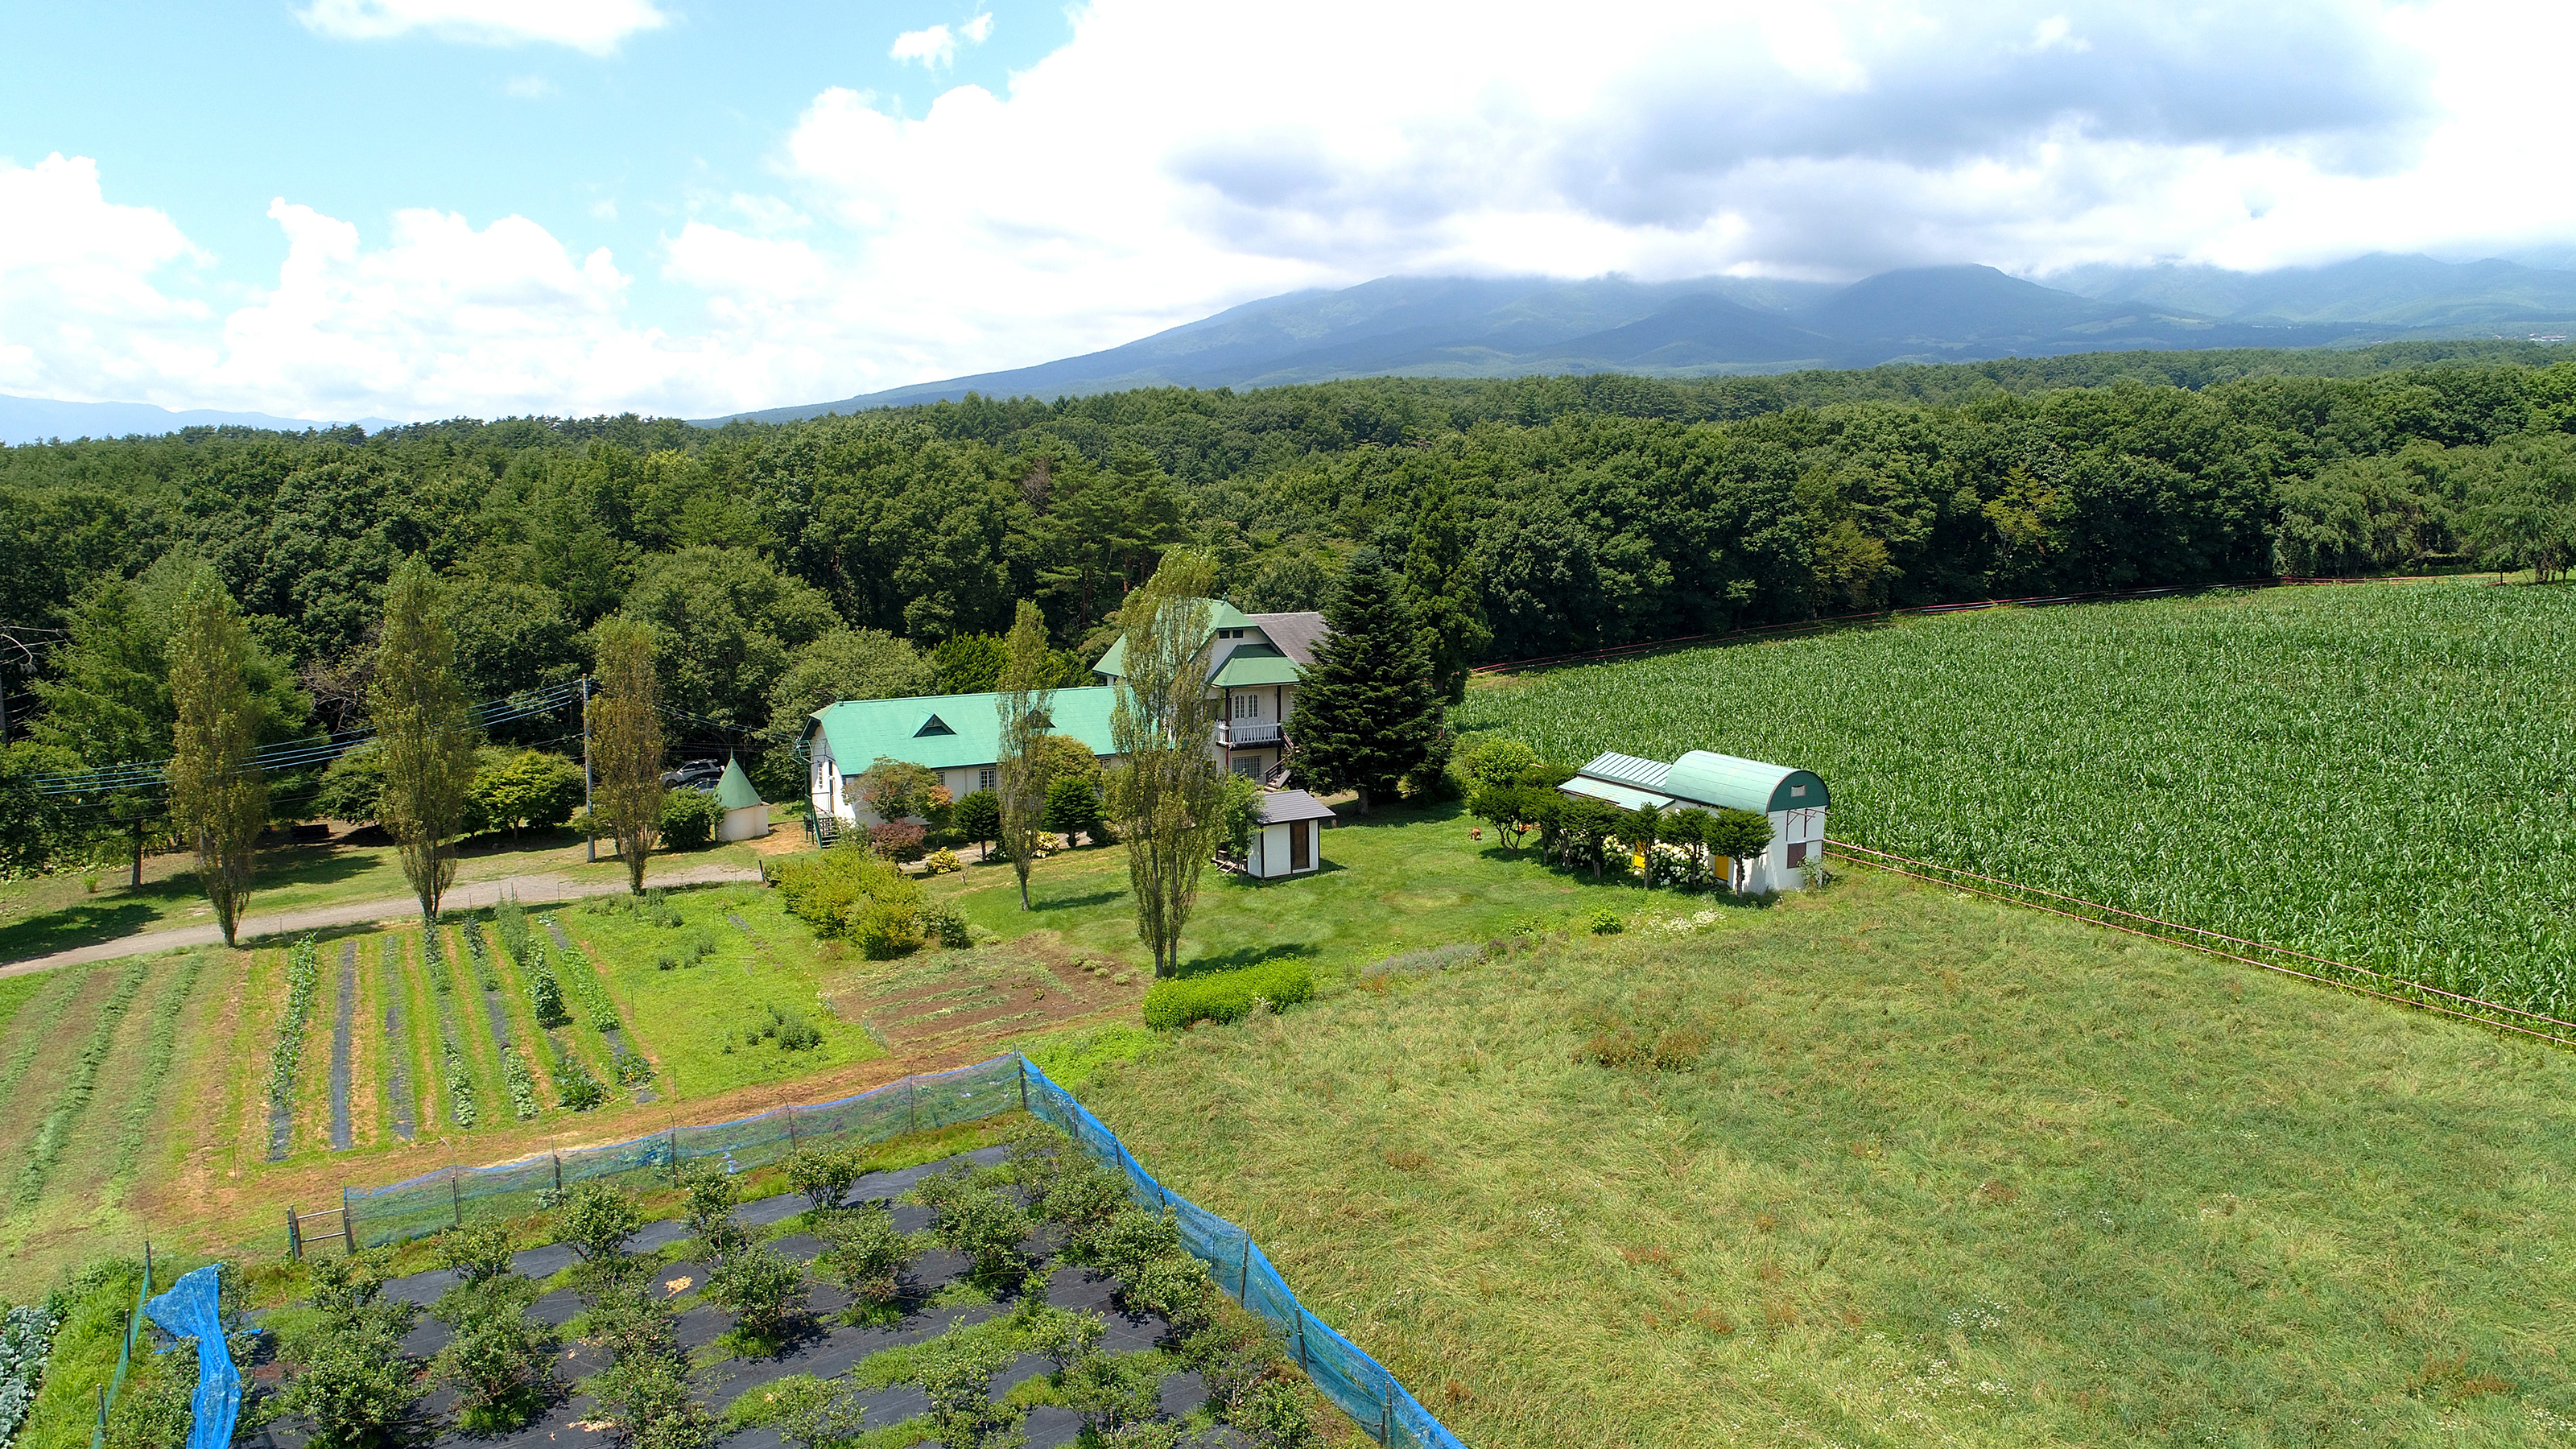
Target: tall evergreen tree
424,731
1440,582
626,741
218,800
1028,691
1165,793
1366,712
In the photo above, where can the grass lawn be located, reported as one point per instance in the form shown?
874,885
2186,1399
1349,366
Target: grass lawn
1396,880
57,912
691,1020
1941,1171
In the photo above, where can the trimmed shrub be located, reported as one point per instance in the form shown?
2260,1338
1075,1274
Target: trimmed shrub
689,819
1226,995
864,1254
897,840
597,1220
823,1174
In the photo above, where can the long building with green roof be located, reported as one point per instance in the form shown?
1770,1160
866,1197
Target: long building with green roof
1258,661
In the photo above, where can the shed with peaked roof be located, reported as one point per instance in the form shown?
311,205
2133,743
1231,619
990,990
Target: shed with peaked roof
1290,837
1795,801
746,815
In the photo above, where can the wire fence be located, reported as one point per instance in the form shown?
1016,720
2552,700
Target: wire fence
452,1197
134,1320
2281,959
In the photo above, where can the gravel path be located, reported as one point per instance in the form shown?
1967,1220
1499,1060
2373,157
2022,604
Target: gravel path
469,895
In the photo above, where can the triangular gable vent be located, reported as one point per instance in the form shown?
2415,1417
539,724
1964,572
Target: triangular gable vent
933,726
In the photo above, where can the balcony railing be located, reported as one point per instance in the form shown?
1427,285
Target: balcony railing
1236,733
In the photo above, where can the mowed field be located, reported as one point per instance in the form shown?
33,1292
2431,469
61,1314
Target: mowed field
2383,775
1919,1169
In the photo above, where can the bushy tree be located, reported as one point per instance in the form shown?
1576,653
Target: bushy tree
978,817
901,790
1073,809
823,1173
864,1254
517,790
970,663
1441,584
1738,836
689,819
1366,710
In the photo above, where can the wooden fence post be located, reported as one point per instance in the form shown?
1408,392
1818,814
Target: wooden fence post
558,1157
911,1107
294,1235
1385,1407
1243,1282
348,1229
455,1198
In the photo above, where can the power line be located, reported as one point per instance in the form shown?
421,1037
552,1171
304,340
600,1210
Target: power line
294,754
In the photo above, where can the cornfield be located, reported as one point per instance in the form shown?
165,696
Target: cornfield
2377,775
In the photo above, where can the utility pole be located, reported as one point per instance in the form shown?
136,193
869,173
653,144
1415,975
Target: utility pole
589,825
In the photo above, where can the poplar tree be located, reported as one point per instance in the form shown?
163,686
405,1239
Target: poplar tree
218,799
626,742
425,733
1028,693
1440,582
1164,793
1366,712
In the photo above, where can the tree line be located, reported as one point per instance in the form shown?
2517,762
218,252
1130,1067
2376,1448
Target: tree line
778,567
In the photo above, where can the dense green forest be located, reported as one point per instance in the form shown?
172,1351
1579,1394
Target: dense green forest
783,564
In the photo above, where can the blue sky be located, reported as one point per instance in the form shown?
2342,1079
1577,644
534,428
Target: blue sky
413,208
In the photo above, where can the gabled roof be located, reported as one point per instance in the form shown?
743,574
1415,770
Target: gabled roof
1295,634
733,788
1253,664
859,730
1706,779
1279,807
1221,615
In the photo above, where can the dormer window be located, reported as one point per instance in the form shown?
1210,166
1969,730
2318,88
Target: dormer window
933,726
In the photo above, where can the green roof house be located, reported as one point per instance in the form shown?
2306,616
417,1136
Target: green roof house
1259,659
1794,799
959,736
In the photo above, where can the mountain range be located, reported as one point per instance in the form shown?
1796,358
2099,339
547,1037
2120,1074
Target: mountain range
1500,327
34,419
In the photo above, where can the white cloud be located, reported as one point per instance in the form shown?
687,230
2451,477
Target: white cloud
592,25
936,47
1148,173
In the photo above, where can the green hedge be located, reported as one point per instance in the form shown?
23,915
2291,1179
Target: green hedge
1226,995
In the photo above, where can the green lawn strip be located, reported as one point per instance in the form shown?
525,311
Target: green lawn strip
1941,1171
35,1026
84,1177
174,1008
44,1151
1400,879
243,1060
16,992
682,1016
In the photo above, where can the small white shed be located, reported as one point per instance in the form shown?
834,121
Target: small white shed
746,815
1290,840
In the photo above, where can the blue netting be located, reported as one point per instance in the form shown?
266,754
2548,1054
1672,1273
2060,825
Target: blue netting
189,1310
1346,1374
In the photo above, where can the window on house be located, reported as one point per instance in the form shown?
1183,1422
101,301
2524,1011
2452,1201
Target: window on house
1247,706
933,726
1796,790
1797,852
984,779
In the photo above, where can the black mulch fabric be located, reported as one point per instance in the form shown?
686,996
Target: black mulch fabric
827,1350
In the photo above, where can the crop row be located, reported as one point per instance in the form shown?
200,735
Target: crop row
584,981
286,1058
2378,776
